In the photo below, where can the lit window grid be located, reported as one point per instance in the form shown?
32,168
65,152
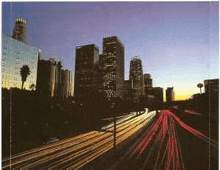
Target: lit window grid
15,54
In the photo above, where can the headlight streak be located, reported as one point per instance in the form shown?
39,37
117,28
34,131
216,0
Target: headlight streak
125,124
49,150
31,154
130,150
48,146
119,140
83,145
67,151
119,121
125,137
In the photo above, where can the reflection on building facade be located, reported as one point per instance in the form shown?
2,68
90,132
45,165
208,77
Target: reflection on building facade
112,67
15,54
86,62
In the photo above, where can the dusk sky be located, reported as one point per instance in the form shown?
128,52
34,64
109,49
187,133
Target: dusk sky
178,42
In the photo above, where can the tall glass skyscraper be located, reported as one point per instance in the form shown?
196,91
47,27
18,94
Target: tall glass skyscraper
16,54
87,57
112,67
136,76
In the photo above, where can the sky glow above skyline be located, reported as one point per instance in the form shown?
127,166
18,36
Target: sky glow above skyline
178,42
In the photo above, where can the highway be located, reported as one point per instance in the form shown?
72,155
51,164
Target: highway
169,143
76,152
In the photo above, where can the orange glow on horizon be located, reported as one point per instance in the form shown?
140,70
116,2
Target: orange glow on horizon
183,97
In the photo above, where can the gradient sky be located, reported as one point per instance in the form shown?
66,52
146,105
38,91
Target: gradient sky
178,42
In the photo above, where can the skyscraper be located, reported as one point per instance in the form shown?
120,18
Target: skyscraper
169,94
148,80
148,83
58,79
52,81
101,73
212,97
158,94
136,76
16,54
126,89
112,67
211,86
20,30
85,69
66,82
46,77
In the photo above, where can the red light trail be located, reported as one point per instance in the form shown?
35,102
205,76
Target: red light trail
187,111
165,134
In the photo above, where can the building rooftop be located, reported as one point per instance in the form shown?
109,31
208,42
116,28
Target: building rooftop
135,57
21,20
87,45
112,38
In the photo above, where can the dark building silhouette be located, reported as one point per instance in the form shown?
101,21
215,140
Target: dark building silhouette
58,79
52,80
112,67
148,83
158,93
86,62
136,77
169,94
196,96
46,77
101,73
126,90
20,30
154,94
212,97
211,86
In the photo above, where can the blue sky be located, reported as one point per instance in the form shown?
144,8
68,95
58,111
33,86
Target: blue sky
178,42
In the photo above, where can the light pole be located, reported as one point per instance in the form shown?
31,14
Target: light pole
81,109
114,133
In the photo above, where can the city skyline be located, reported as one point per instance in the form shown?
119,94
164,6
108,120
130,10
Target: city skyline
172,39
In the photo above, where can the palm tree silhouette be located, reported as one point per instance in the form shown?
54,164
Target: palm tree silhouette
24,72
200,85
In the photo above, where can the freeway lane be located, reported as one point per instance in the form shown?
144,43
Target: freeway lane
169,144
76,152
